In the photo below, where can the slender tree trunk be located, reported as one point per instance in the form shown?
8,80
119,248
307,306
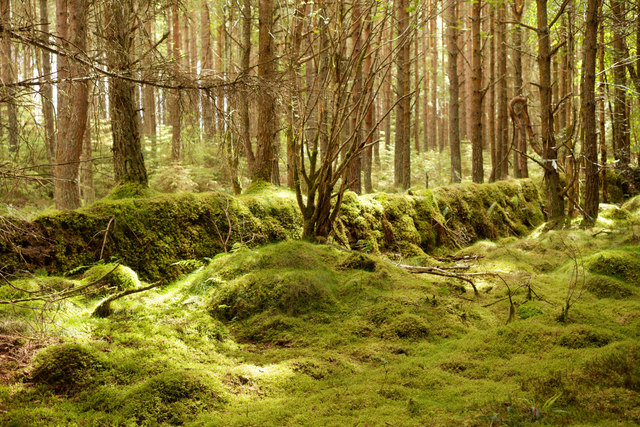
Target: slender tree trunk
452,71
426,109
520,167
603,132
503,101
245,64
590,50
206,56
416,87
476,99
87,190
47,88
128,161
367,157
434,125
354,171
493,149
555,201
8,77
403,109
266,103
73,102
175,102
621,146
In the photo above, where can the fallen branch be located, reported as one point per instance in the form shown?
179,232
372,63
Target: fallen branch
441,271
103,309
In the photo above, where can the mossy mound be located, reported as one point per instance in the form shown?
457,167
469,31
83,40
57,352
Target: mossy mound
67,368
583,337
289,292
172,397
622,184
408,325
111,277
150,234
607,287
623,264
450,216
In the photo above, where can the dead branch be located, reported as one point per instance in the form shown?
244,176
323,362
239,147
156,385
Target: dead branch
103,309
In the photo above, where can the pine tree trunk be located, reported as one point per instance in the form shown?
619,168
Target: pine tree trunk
476,100
520,167
47,89
73,102
8,77
435,111
245,64
266,104
175,107
555,202
452,72
402,158
621,146
128,162
590,48
493,146
503,118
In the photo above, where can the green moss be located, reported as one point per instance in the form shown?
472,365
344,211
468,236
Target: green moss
617,263
172,397
67,368
583,337
115,277
359,261
529,309
607,287
407,325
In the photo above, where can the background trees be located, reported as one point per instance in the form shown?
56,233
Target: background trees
203,94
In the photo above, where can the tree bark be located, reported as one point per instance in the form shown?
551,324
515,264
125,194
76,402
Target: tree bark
266,103
206,55
128,162
477,168
435,111
520,167
73,102
245,64
555,200
403,108
8,77
503,101
452,72
590,50
47,88
175,107
621,137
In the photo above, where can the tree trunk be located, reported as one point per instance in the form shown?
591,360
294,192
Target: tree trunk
590,49
452,72
266,103
435,111
621,145
476,96
206,55
493,148
128,162
245,64
175,107
73,102
403,108
555,201
503,101
47,88
603,93
354,171
8,77
520,167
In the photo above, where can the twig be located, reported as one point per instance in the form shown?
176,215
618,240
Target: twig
103,309
106,232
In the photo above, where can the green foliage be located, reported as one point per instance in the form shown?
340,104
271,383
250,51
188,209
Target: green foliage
607,287
115,277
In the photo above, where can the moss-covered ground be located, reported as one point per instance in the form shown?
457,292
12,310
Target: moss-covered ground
292,333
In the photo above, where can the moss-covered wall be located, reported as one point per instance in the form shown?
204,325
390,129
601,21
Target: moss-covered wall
151,234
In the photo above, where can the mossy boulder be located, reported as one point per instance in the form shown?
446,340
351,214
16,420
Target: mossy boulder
68,367
622,184
172,397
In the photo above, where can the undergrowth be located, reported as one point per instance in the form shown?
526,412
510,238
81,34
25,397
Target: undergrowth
293,333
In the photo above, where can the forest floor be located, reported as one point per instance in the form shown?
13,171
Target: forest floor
299,334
